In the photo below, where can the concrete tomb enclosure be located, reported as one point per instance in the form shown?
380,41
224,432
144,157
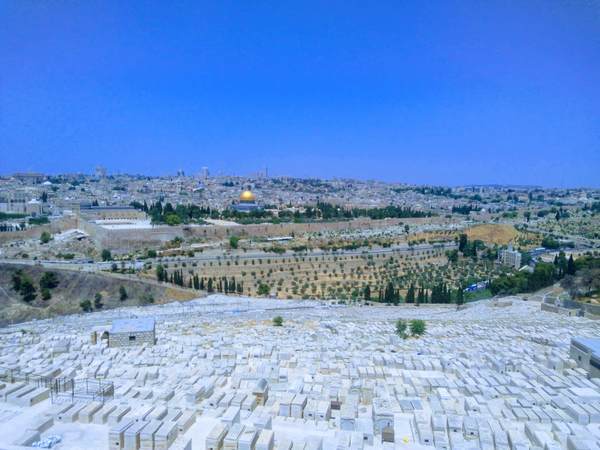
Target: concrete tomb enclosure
221,376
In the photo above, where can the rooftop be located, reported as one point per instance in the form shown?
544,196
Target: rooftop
592,344
132,325
106,208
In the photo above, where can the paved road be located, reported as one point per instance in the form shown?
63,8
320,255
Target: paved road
138,264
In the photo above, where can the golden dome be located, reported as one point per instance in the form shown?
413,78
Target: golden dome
247,196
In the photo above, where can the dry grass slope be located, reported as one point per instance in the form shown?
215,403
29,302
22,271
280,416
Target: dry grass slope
500,234
72,289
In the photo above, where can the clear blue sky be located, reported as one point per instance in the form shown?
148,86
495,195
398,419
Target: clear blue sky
437,92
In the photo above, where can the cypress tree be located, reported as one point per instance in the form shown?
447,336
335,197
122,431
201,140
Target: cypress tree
410,294
571,266
460,296
420,296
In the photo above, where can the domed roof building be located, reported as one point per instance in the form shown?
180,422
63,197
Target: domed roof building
247,196
247,202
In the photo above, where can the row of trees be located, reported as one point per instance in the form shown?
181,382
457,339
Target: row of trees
464,209
209,285
178,214
8,227
582,276
87,305
439,293
328,211
542,276
7,216
170,215
98,303
472,248
595,207
550,243
546,274
24,285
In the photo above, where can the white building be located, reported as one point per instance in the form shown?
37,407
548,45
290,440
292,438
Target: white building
510,257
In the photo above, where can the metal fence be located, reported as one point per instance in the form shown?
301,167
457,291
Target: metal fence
63,389
70,389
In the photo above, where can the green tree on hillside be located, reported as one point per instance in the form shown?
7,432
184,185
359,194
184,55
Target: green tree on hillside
172,219
28,291
45,237
460,296
462,242
452,256
146,299
46,295
48,280
570,266
417,327
160,273
410,294
98,301
401,327
367,293
16,280
86,305
22,284
234,241
263,289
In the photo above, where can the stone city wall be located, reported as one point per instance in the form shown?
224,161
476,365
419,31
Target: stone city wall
131,239
55,226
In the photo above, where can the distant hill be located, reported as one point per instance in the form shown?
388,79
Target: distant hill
74,287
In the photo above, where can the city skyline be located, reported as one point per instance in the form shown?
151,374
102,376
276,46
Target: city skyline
446,94
259,174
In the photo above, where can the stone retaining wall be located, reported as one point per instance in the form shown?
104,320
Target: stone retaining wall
132,239
55,226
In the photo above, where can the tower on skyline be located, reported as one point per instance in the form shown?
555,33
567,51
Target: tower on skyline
101,171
